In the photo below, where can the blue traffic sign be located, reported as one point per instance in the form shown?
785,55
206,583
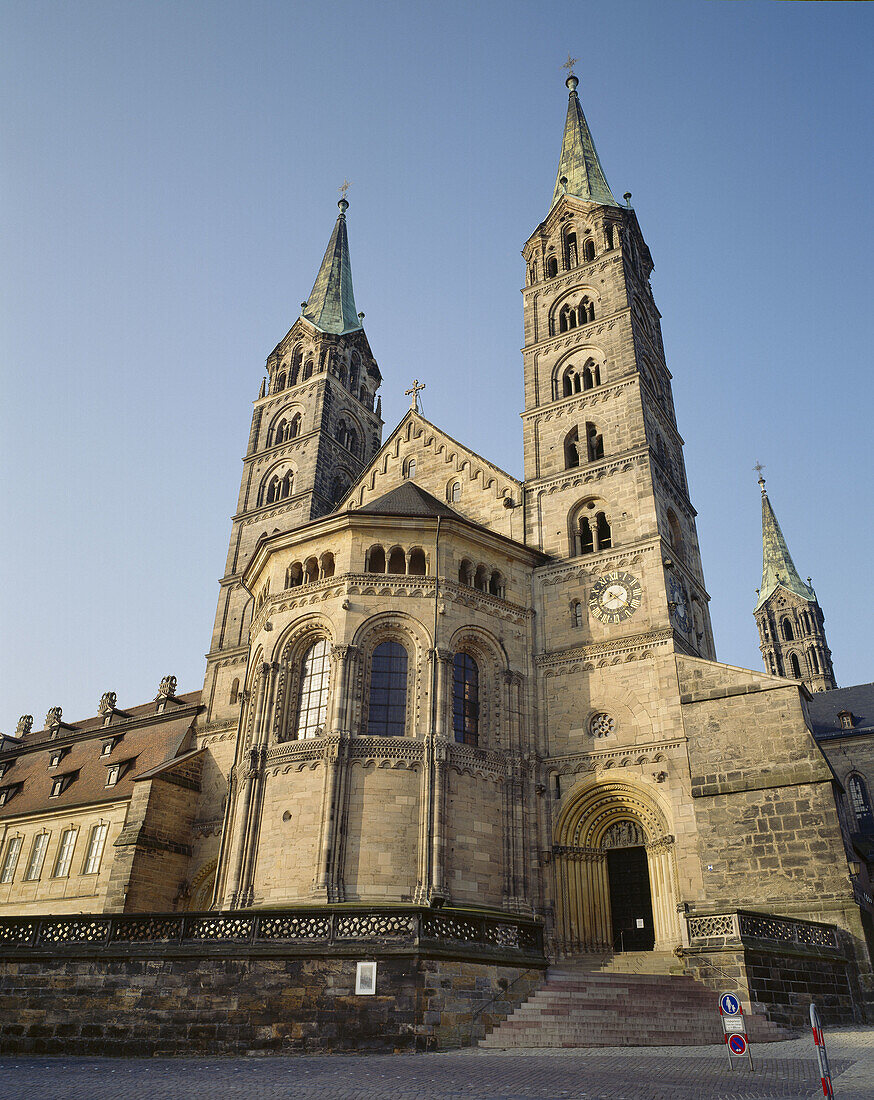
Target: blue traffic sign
737,1044
730,1005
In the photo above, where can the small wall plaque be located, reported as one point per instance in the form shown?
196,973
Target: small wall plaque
365,979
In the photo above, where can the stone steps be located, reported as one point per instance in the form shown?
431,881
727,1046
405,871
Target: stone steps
581,1006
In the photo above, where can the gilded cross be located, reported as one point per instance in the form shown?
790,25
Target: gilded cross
415,390
344,188
758,468
569,64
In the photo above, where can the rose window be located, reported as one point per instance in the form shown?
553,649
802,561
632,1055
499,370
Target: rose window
601,725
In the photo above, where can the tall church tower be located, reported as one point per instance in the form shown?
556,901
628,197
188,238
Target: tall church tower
788,615
605,477
316,424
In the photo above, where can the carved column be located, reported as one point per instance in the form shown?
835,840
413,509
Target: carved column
257,766
248,778
663,888
345,660
433,791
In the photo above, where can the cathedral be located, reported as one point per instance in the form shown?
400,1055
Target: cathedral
435,689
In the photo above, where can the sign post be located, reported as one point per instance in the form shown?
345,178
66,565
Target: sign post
825,1072
734,1029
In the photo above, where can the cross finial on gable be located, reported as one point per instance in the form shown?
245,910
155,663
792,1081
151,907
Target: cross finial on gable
415,390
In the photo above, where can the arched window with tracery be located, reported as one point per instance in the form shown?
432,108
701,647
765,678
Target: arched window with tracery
279,488
795,665
375,560
589,249
860,802
416,567
312,706
572,449
387,701
608,235
308,369
311,570
481,579
594,443
465,572
294,575
586,311
551,267
496,584
280,382
296,360
326,565
788,632
465,699
591,531
570,250
397,560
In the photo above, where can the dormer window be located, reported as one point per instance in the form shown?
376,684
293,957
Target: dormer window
107,746
57,756
845,717
5,766
115,772
61,782
7,792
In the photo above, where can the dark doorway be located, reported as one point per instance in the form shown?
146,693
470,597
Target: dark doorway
630,900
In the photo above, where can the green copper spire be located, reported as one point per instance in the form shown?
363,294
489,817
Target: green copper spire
579,166
331,304
777,565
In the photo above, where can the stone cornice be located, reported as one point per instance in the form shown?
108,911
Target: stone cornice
594,396
633,644
592,471
578,761
572,336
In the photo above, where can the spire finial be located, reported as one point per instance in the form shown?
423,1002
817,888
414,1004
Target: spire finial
571,81
415,390
758,468
343,204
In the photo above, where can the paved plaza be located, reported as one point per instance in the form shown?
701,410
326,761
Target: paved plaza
787,1071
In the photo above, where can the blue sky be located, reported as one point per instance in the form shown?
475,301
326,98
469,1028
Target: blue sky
169,183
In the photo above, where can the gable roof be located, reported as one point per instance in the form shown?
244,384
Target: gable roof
408,499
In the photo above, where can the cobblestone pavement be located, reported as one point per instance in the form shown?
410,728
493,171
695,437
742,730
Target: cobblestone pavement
787,1071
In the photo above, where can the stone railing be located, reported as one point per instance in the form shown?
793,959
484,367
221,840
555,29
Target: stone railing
737,927
338,927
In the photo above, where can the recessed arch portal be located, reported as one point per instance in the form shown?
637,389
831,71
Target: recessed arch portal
599,818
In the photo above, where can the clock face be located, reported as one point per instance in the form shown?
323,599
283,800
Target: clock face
615,597
679,604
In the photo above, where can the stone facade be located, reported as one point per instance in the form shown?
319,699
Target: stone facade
431,684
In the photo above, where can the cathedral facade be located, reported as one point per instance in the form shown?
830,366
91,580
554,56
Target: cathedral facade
431,684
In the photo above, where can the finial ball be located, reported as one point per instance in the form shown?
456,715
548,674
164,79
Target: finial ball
572,82
344,206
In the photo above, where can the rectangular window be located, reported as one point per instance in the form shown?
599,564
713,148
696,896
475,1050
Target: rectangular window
95,849
57,787
112,775
56,758
65,854
11,861
37,856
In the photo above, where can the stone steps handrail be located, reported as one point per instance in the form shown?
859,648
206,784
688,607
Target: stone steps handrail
325,926
738,925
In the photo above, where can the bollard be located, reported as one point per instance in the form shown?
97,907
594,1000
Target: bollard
819,1039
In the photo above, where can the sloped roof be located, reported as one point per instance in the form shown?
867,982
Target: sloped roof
778,569
145,742
408,500
331,304
578,163
825,706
